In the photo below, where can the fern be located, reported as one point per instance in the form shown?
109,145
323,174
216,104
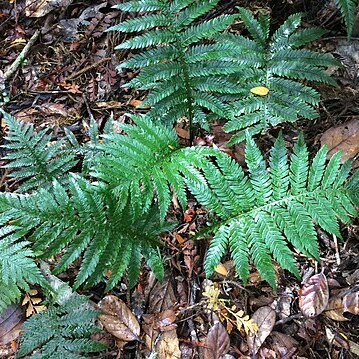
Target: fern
17,266
84,221
35,160
278,64
184,75
264,211
147,164
61,332
347,9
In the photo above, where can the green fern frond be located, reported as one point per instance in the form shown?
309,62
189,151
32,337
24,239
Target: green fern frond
272,209
173,50
33,158
278,64
17,266
82,221
147,164
61,332
347,10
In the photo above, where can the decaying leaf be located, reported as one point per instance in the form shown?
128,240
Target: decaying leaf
217,342
39,8
163,321
159,327
335,309
118,319
314,295
351,302
284,344
168,346
344,137
265,318
345,301
11,320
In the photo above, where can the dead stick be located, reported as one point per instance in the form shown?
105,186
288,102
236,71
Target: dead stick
21,57
85,69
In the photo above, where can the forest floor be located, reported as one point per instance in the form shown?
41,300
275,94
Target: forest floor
69,74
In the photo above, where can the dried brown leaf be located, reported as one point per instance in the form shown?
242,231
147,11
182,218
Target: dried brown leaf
162,297
314,295
118,319
217,342
346,301
335,309
351,303
265,318
344,137
11,320
284,344
162,321
168,346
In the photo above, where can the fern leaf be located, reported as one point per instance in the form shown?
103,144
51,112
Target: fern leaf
148,159
261,213
61,332
31,156
168,44
17,266
347,9
279,64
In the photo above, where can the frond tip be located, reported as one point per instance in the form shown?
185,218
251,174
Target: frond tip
273,210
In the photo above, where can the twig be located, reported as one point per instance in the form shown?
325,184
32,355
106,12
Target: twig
21,57
337,255
85,69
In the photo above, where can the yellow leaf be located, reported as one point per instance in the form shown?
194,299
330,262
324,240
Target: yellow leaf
221,269
260,90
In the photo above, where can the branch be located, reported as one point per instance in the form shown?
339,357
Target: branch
21,57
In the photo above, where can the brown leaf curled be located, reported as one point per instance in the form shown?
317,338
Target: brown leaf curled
118,319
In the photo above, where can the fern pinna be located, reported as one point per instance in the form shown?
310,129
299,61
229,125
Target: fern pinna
264,211
184,76
280,65
347,10
34,159
61,331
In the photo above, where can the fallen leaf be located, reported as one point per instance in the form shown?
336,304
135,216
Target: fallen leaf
11,320
265,318
135,103
118,319
335,309
181,132
168,346
284,344
314,295
351,302
39,8
217,342
345,301
162,297
260,90
221,269
163,321
344,137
